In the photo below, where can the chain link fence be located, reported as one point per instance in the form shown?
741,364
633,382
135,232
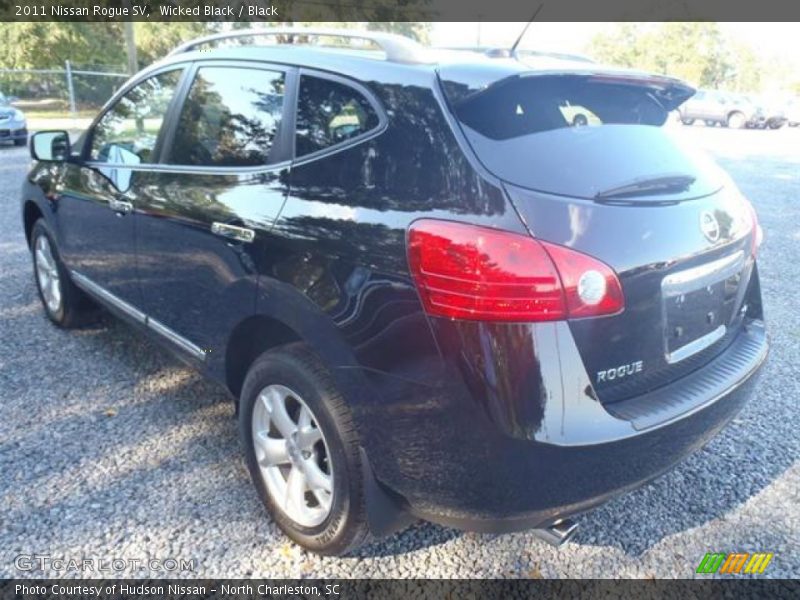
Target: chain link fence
67,91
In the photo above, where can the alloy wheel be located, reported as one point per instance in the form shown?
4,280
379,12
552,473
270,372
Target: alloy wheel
47,274
292,455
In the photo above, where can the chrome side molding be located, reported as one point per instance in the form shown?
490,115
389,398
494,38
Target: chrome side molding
176,339
90,287
102,294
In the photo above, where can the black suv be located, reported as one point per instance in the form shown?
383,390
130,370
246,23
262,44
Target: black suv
430,293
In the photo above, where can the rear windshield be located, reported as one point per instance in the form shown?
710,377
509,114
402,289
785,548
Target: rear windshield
578,135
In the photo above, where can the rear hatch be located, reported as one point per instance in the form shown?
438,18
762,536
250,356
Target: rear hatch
588,164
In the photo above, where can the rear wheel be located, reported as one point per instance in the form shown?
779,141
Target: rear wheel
580,121
64,304
302,450
736,120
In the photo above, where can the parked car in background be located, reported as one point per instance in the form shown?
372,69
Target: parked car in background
13,126
723,108
475,290
793,112
768,114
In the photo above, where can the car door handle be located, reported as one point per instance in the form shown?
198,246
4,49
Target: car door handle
240,234
121,207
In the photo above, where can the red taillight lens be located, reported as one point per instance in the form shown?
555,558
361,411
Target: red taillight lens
470,272
591,287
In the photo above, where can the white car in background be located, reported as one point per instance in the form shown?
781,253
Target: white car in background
793,112
13,126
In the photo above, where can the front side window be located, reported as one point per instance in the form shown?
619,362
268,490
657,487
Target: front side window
127,133
231,118
328,113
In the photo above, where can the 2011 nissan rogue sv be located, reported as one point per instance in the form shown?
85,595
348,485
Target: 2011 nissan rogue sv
433,292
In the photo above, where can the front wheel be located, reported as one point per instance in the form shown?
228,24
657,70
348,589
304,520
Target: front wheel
736,120
302,450
580,121
64,304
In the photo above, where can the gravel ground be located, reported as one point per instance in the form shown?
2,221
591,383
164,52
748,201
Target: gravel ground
109,448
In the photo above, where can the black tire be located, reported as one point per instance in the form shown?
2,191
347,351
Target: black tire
75,308
580,120
21,142
296,367
736,120
687,121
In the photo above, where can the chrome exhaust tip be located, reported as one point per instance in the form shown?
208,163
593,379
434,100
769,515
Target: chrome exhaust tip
558,533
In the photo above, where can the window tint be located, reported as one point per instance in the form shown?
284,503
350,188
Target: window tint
127,133
525,106
577,135
328,113
230,118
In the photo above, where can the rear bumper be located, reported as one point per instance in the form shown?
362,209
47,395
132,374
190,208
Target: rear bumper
454,466
586,476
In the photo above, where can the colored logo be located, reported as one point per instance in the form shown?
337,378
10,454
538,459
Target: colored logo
735,562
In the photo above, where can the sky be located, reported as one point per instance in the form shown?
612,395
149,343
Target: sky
771,38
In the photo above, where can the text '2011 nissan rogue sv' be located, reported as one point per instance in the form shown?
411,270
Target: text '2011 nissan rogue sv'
432,292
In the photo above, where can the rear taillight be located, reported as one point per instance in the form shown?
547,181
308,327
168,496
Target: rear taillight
469,272
590,286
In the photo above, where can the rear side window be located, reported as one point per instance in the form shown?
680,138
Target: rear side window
231,118
329,113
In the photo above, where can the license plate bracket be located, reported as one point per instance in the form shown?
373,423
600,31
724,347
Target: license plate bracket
698,305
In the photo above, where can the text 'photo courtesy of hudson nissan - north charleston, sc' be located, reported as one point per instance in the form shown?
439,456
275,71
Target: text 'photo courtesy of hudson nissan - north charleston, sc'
432,292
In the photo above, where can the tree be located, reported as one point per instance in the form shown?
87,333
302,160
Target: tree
39,45
154,40
413,29
696,52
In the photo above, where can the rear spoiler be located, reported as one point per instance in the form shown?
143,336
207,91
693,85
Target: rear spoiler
669,91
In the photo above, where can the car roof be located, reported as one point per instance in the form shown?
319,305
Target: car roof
472,66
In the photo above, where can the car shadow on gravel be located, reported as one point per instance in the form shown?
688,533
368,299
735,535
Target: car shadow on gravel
691,496
419,536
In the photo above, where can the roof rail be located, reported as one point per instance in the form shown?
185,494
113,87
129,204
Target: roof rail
396,47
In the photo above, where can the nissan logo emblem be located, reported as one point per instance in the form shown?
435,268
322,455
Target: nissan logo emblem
709,226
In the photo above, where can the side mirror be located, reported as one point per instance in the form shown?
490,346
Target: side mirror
51,146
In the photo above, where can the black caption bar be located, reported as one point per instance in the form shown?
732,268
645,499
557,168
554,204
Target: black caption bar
259,589
397,10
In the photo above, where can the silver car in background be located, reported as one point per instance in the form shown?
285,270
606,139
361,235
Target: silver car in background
13,126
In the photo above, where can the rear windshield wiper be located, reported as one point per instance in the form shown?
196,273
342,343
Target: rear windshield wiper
661,184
